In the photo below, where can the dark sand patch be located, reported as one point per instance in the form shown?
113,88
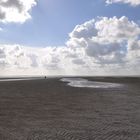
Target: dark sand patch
51,110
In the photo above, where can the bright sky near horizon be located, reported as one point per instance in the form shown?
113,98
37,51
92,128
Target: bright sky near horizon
70,37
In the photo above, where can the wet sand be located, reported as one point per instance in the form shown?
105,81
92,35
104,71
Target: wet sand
49,109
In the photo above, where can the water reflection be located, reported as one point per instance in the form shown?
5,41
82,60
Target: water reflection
80,82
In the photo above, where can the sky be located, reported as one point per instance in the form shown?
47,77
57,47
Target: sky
69,37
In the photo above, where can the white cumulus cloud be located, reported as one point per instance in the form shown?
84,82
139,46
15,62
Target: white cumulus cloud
114,44
108,40
15,10
131,2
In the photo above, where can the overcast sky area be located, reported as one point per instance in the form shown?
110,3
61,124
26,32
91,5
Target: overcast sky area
69,37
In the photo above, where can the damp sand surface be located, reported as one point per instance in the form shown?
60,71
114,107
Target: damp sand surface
53,109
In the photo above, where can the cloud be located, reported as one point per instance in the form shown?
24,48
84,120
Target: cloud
15,10
1,29
78,61
3,62
97,47
87,29
2,53
131,2
110,40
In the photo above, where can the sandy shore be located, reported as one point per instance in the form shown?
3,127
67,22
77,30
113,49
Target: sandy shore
49,109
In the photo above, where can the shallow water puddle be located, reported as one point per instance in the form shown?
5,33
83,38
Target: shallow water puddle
80,82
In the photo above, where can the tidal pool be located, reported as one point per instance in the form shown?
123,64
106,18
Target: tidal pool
81,82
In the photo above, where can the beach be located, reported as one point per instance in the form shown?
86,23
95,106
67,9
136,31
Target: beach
50,109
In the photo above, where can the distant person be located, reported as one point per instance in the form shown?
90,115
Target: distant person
45,77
